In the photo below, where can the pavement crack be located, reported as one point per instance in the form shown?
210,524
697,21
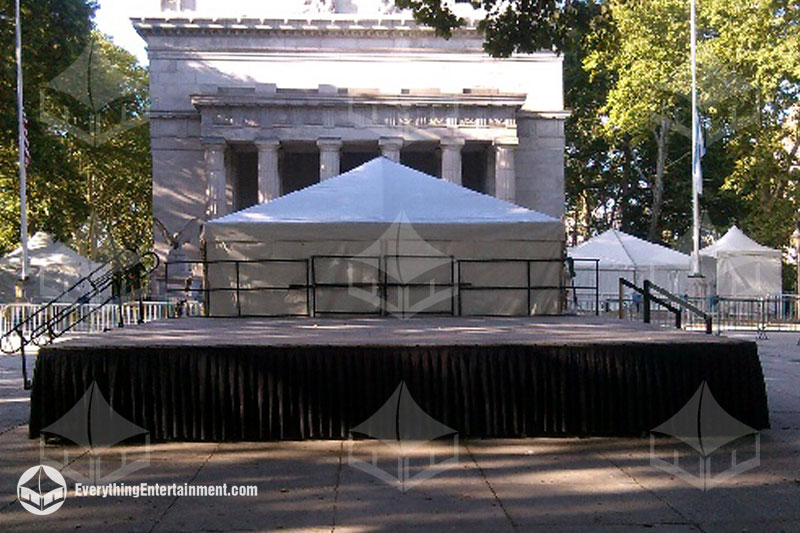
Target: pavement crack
491,488
10,429
176,498
674,509
336,487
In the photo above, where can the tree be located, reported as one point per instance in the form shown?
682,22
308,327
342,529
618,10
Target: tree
509,26
98,107
54,33
747,60
89,179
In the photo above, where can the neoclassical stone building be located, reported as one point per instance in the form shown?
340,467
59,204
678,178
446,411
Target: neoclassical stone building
252,100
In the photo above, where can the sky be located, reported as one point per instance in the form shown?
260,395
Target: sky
113,19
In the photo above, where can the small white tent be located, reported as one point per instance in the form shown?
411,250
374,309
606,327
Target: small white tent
384,221
625,256
739,267
55,267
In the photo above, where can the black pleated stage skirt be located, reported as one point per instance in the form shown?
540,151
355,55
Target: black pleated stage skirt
315,392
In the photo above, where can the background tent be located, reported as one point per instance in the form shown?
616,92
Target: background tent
739,267
625,256
55,267
353,228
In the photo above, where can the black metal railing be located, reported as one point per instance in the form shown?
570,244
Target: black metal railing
108,284
683,304
664,300
577,301
377,288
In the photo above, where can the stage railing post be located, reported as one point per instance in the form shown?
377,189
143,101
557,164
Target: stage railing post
238,291
530,290
647,301
313,287
621,299
597,287
453,286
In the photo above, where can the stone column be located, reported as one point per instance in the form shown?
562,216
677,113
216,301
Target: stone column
540,162
451,159
505,171
269,182
216,178
329,157
390,147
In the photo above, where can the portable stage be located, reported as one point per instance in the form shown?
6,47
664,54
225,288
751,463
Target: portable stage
384,239
267,379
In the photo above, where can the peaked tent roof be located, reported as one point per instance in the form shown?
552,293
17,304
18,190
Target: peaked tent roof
382,191
45,251
618,249
736,241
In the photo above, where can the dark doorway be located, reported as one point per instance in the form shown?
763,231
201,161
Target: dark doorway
245,178
298,168
354,159
426,161
473,168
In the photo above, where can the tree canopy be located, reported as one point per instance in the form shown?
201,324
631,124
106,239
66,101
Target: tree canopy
89,177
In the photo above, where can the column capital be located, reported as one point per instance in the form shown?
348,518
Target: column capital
452,143
214,143
329,143
395,143
270,143
510,142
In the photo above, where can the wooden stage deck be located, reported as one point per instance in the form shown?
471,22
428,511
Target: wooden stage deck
259,379
539,331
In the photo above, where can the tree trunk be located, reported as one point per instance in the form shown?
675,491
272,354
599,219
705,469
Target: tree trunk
626,183
662,138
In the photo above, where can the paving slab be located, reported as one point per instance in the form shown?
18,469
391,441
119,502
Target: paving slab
296,484
567,483
456,498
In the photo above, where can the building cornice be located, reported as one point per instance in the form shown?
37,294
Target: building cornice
343,27
314,99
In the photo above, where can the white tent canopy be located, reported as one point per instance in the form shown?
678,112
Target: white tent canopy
739,267
369,215
625,256
55,267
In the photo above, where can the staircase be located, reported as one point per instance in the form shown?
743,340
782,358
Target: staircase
118,281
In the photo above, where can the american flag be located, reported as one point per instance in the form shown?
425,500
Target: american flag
27,144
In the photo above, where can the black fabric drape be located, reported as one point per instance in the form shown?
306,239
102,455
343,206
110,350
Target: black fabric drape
309,392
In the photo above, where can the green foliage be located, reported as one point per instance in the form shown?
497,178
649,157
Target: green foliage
748,57
89,179
510,26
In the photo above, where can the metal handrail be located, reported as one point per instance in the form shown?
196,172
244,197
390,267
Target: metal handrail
381,284
43,332
648,299
649,286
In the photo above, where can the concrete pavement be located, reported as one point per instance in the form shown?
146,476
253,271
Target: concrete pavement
604,485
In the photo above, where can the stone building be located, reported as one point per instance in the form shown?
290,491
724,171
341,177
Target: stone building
252,100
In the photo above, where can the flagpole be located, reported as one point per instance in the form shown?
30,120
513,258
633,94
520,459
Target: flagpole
695,154
23,199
